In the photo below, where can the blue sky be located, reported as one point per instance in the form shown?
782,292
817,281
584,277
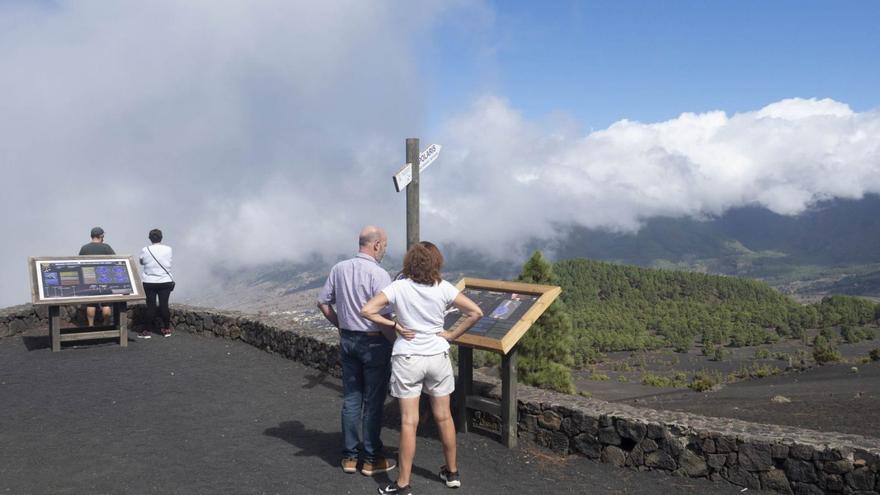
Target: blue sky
652,60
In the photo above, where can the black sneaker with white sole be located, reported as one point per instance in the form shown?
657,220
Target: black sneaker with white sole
396,490
453,480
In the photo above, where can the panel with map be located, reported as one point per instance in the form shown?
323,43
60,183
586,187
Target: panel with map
83,278
509,309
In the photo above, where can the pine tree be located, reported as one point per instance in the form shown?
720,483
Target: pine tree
545,352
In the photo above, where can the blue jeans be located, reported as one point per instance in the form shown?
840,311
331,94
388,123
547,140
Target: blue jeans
366,369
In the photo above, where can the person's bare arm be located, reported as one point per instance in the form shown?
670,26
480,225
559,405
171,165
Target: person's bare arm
329,313
472,313
371,310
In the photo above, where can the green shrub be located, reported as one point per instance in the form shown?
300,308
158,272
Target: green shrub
756,370
486,359
798,360
854,335
553,376
675,380
653,380
546,350
874,354
621,366
762,353
762,370
715,352
825,351
704,380
681,343
780,356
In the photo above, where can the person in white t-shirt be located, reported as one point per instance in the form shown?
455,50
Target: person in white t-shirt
420,357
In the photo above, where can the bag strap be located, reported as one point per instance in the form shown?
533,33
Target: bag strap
160,264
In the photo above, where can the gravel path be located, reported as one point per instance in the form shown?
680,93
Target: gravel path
199,415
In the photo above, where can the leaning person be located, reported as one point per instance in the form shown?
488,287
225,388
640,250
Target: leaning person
364,350
158,283
420,358
97,246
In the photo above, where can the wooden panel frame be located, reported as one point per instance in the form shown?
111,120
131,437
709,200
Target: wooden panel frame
135,276
547,294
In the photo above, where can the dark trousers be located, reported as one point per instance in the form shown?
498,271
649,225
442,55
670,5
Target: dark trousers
366,368
161,291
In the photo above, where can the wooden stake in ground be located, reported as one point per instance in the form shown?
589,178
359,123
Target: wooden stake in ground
412,193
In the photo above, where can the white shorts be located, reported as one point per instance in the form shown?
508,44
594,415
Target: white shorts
410,375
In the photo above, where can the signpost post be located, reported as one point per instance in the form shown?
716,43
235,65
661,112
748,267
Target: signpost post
408,177
412,193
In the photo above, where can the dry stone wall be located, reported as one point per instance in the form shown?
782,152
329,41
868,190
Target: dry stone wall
779,458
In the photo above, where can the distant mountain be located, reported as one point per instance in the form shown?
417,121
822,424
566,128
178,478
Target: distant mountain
279,286
749,241
834,248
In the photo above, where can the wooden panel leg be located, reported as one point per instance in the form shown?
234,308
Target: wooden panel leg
465,386
120,317
55,327
509,417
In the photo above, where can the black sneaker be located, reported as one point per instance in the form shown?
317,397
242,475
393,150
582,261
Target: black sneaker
453,480
397,490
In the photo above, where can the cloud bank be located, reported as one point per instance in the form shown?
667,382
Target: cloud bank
268,130
247,131
507,179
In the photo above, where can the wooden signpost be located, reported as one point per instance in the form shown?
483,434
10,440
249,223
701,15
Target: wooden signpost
58,281
404,176
408,177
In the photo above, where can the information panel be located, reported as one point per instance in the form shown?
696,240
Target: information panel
62,280
509,309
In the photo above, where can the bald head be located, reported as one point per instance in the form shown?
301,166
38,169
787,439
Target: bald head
373,241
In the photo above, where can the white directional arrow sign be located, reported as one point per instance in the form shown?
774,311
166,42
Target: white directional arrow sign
427,157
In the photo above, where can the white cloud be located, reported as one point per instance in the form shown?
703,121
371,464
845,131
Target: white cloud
248,131
523,179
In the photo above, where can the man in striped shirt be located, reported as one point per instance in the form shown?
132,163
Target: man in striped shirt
365,350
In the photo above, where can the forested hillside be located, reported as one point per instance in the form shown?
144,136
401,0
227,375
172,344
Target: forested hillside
746,241
621,307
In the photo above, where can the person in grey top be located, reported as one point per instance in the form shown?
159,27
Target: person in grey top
97,244
364,348
96,247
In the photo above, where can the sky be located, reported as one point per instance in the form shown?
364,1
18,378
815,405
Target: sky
264,131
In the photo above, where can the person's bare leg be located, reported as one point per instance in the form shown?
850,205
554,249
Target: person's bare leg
107,311
409,422
443,417
90,315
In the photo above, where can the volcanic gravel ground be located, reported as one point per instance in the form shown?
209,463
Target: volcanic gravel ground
199,415
825,398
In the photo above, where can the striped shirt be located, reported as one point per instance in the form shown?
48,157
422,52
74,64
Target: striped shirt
349,286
